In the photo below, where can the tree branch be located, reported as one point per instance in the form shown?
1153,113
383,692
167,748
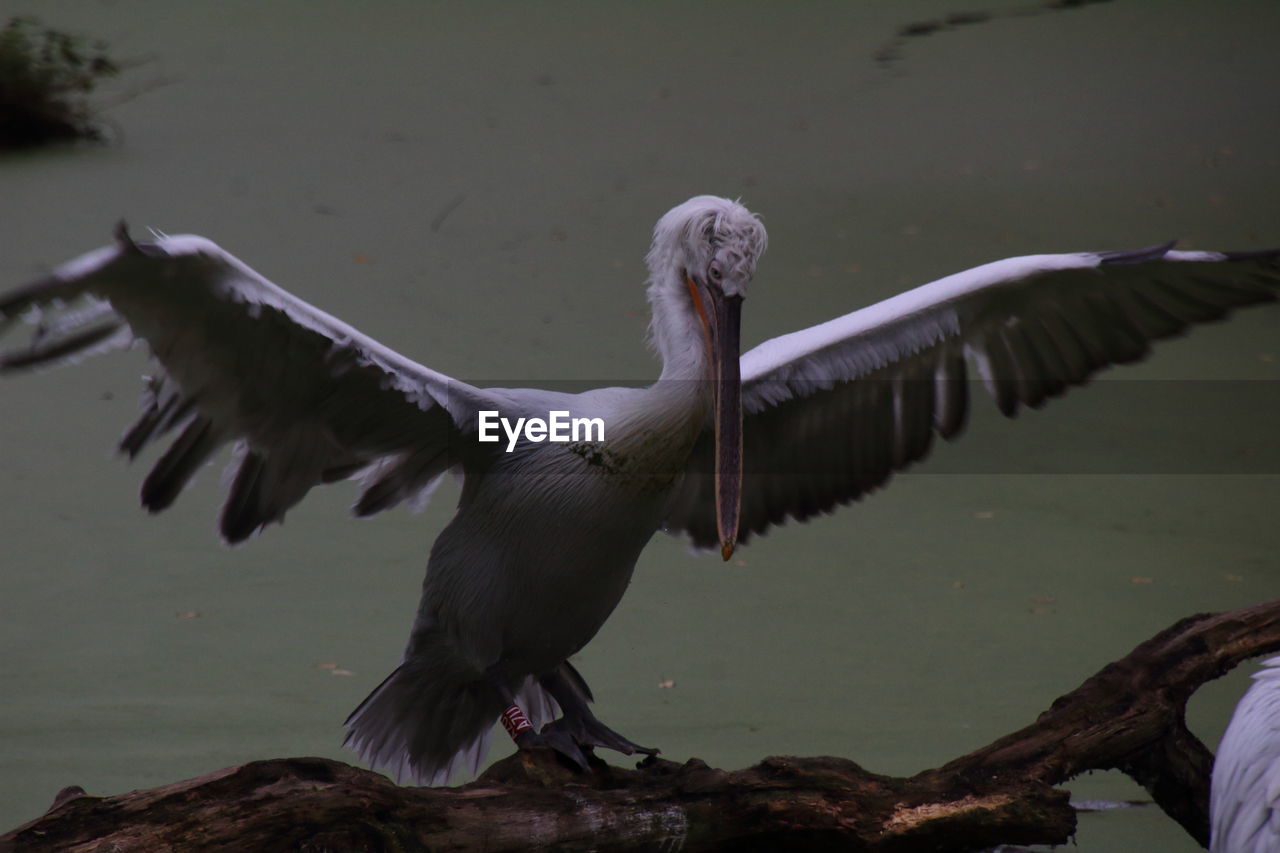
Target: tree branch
1130,716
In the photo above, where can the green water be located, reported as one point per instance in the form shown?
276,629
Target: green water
474,185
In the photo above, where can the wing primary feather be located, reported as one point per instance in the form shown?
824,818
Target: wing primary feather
163,408
898,426
63,348
914,410
153,424
1123,340
1196,308
1024,375
1055,372
998,372
240,515
44,291
1042,372
398,481
1155,320
877,446
179,463
863,436
1229,293
951,387
1074,351
830,480
342,472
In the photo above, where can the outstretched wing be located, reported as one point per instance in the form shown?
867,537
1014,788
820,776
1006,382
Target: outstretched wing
833,410
306,398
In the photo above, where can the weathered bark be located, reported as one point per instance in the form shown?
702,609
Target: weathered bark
1129,716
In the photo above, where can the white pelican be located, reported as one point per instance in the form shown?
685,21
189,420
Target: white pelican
1244,799
546,536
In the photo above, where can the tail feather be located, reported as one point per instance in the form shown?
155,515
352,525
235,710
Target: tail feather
433,717
429,719
537,704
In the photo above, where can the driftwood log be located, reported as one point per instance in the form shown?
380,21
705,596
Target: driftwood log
1129,716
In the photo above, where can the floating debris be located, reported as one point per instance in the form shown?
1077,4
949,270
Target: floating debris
334,669
44,78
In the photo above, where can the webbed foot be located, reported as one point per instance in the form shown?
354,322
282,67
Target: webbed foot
561,741
582,727
573,696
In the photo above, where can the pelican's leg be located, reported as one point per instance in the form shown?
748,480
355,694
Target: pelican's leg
573,696
517,724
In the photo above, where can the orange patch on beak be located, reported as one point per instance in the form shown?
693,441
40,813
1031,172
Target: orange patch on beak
702,311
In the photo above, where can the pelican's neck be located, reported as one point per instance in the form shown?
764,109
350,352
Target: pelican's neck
677,333
680,401
657,426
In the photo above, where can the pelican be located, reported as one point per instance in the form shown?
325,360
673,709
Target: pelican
1244,796
546,535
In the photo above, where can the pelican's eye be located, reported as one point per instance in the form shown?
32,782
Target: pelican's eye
714,272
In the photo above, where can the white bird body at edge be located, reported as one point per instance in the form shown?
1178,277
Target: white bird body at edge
1244,795
545,538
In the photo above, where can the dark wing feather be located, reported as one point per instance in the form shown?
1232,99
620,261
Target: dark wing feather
832,411
307,398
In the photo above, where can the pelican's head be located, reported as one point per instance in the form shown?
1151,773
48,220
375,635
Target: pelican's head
703,256
711,240
702,259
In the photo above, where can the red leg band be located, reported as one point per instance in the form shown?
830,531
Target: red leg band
514,721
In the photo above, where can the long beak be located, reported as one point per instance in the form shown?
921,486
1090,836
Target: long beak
727,311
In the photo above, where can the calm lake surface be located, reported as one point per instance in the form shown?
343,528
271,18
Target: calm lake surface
475,185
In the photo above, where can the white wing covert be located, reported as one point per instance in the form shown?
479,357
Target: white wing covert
306,398
830,412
